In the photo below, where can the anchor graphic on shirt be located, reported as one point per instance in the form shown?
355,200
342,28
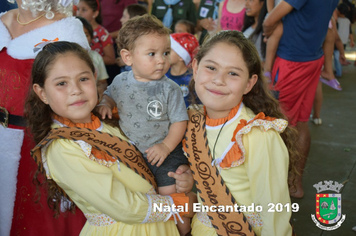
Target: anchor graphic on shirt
155,109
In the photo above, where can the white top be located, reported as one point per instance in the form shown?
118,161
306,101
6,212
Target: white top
68,29
343,29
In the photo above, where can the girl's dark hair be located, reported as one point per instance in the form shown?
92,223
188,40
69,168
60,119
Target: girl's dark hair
39,115
95,6
260,98
343,9
136,10
190,26
250,20
86,25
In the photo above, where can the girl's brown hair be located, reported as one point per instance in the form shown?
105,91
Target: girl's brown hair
95,6
39,115
260,98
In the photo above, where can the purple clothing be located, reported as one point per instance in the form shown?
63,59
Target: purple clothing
304,29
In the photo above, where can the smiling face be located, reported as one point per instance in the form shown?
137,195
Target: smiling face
150,57
221,79
253,7
69,88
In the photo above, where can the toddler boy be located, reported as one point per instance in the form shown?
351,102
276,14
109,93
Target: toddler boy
151,106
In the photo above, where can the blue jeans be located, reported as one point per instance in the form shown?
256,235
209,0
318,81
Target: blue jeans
338,67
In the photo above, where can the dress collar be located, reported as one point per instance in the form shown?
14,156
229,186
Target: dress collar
94,124
220,121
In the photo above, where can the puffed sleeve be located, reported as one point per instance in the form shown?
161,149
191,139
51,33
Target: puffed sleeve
267,169
89,183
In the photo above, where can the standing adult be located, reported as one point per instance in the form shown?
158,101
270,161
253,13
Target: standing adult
297,68
23,32
208,13
170,11
111,13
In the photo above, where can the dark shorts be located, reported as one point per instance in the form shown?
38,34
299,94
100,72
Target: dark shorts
172,162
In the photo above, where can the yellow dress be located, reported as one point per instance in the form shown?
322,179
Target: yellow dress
115,200
259,178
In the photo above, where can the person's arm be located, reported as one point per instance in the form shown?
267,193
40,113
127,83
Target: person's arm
159,152
97,185
105,107
184,179
102,85
267,170
221,4
270,5
270,23
338,43
109,54
114,34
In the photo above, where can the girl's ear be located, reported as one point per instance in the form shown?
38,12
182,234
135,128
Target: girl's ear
96,13
250,83
195,67
126,56
40,93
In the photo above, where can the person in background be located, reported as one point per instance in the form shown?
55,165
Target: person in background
343,29
231,15
23,33
327,75
171,11
101,74
184,46
296,70
208,13
184,26
129,12
256,11
102,41
111,13
272,42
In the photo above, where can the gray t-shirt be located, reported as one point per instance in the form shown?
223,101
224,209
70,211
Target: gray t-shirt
147,109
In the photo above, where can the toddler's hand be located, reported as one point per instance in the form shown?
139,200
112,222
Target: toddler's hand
104,111
157,154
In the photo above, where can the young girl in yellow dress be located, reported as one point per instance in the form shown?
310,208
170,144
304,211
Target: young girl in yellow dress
247,134
114,199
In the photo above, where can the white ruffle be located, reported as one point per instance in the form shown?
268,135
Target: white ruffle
10,154
67,29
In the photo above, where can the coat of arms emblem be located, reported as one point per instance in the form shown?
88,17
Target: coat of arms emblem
328,206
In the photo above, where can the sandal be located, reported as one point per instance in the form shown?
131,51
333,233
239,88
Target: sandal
316,121
334,83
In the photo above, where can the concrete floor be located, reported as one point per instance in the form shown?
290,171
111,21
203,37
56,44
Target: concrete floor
332,156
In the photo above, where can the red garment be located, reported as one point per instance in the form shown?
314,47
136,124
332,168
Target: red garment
101,39
29,218
296,83
111,13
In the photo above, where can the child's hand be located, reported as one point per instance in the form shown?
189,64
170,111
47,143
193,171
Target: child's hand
157,154
104,111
